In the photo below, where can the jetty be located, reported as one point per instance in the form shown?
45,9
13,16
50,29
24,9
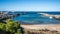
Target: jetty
51,16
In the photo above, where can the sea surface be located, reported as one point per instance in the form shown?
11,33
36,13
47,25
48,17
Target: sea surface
36,18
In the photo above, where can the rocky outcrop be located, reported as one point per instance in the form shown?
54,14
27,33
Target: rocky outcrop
4,16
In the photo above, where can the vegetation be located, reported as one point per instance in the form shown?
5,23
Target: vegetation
10,27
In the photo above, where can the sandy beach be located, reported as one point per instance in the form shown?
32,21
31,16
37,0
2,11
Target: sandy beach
43,26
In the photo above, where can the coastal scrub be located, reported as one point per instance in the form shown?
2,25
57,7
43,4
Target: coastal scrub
10,27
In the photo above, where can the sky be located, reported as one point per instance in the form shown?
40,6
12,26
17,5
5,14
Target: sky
29,5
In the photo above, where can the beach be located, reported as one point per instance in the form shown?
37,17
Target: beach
43,26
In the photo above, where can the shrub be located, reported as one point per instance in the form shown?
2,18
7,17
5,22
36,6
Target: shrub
11,27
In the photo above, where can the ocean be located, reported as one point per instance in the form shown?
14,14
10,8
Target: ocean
36,18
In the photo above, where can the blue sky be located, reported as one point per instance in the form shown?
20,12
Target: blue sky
29,5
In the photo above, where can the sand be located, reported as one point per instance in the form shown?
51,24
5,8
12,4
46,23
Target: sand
42,26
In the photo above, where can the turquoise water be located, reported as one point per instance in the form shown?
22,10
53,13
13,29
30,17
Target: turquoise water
35,18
